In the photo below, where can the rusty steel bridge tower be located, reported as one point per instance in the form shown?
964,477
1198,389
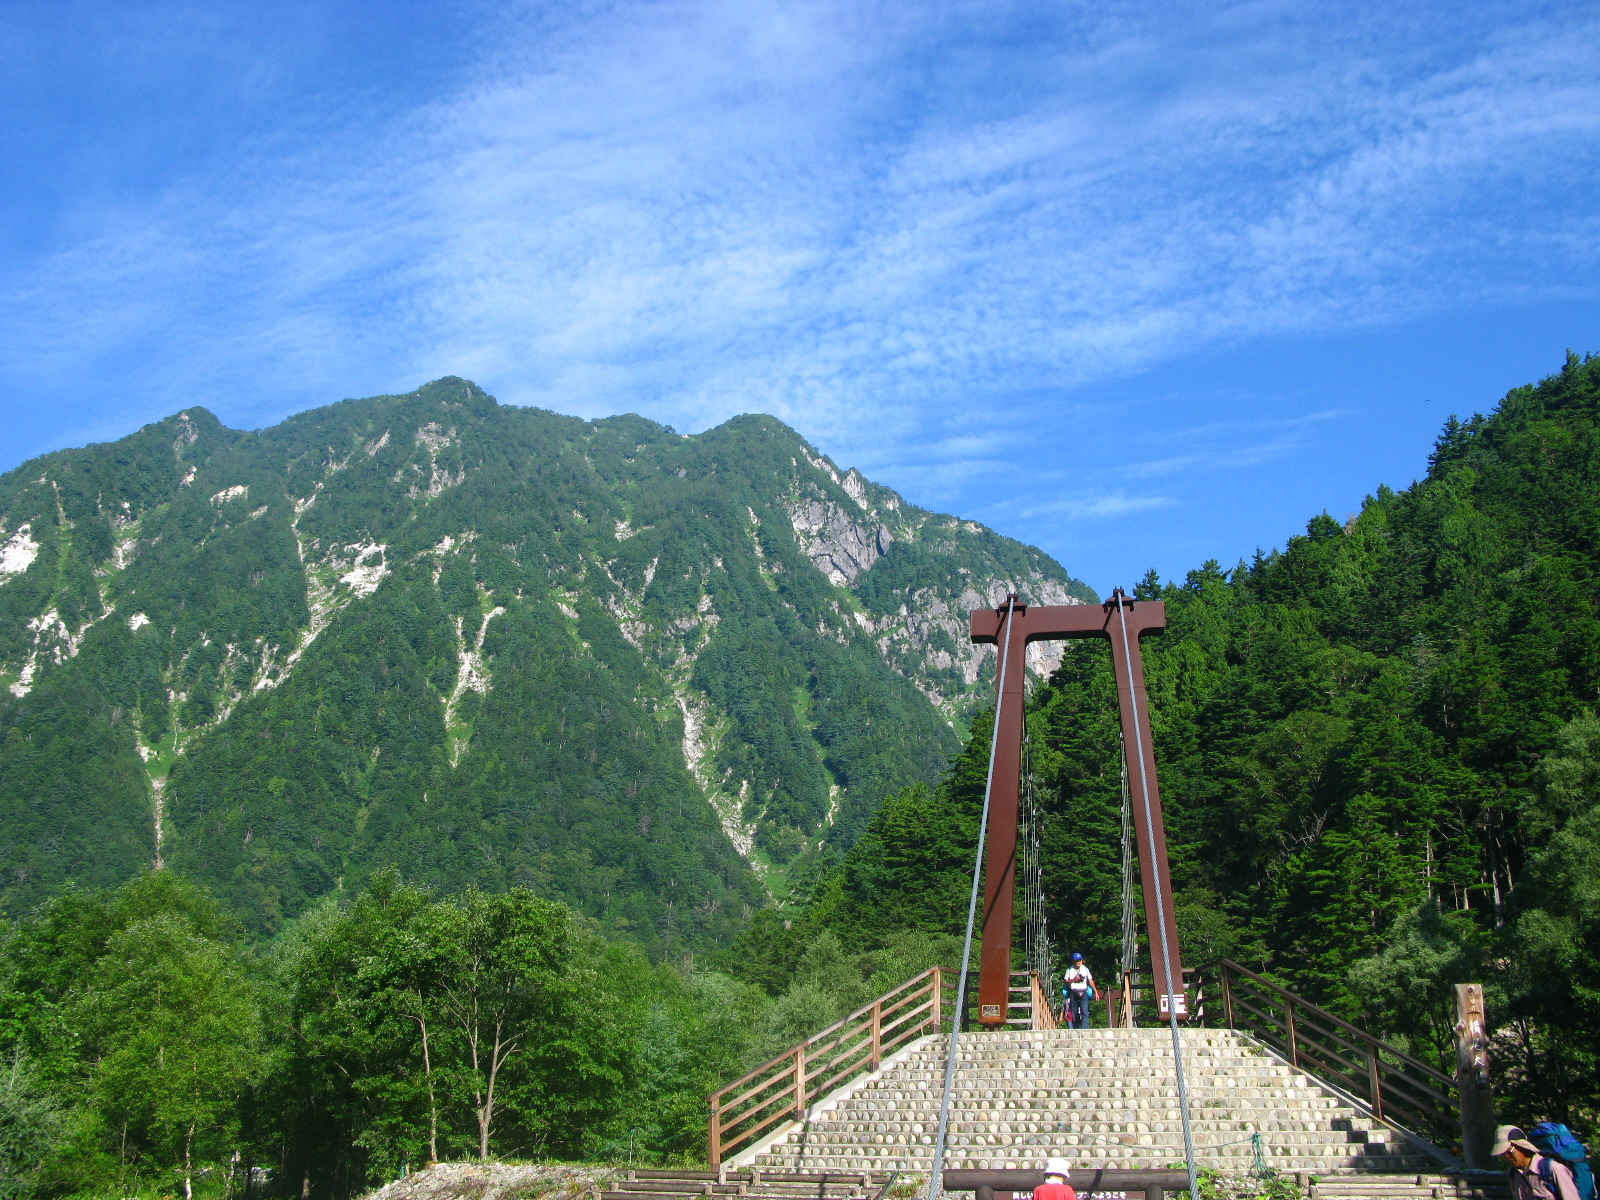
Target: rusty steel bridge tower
1122,621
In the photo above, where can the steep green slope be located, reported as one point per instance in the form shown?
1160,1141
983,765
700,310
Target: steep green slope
497,646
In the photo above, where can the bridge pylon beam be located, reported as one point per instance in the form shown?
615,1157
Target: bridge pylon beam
1123,622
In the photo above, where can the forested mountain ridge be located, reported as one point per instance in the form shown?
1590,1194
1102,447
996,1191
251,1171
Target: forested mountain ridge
494,645
1379,757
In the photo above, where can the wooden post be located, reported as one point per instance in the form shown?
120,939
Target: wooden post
877,1034
1374,1081
714,1156
1288,1024
800,1082
1227,997
938,999
1472,1075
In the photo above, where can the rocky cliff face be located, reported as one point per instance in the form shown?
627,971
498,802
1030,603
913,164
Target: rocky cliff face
493,644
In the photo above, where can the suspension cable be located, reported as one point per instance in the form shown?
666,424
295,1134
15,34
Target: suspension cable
1130,921
1161,913
935,1185
1036,928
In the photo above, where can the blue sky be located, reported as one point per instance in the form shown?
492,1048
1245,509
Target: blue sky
1143,284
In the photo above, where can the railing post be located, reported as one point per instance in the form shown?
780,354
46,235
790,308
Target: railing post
877,1034
714,1151
800,1082
1288,1024
938,999
1374,1081
1227,997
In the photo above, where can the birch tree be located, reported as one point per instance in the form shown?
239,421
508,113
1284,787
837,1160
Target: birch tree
503,983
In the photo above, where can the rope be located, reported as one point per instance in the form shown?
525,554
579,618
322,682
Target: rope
936,1184
1259,1169
1161,913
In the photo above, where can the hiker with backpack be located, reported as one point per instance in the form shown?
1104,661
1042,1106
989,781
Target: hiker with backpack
1080,990
1545,1163
1556,1141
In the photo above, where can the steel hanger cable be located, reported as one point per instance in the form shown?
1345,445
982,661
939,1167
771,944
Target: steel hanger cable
1161,914
935,1185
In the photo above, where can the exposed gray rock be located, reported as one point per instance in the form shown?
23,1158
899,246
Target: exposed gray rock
841,547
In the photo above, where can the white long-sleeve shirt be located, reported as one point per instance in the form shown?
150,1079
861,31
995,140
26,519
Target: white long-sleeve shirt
1078,978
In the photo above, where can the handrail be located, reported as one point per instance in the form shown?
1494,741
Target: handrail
818,1036
1044,1017
1325,1015
1398,1087
851,1046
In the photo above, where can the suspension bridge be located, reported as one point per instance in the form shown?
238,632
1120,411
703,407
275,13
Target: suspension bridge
1223,1070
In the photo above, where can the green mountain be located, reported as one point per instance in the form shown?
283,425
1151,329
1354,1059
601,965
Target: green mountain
657,677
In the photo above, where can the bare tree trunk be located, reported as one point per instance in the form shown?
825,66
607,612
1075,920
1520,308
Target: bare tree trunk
433,1103
478,1101
488,1101
188,1169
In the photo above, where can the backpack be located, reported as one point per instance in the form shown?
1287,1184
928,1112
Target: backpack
1556,1141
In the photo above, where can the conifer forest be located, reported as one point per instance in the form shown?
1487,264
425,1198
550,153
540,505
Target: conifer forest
423,778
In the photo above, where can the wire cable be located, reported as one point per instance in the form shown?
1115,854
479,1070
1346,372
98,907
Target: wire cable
1036,926
1130,920
1161,913
936,1183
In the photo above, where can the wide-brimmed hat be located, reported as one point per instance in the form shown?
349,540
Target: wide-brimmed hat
1508,1136
1058,1166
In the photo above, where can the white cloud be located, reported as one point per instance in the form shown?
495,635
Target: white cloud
866,221
1089,506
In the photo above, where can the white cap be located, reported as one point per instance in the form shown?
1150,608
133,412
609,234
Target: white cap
1058,1166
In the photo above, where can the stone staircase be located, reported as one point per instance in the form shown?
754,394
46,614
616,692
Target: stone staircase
1104,1098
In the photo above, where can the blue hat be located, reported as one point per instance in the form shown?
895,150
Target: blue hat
1077,958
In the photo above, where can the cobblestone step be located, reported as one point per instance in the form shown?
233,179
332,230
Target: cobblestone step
1105,1097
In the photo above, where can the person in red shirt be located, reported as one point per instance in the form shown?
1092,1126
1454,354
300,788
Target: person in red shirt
1055,1186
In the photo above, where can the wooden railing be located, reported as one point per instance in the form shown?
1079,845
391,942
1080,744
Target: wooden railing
782,1090
1119,1002
1044,1016
1398,1088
